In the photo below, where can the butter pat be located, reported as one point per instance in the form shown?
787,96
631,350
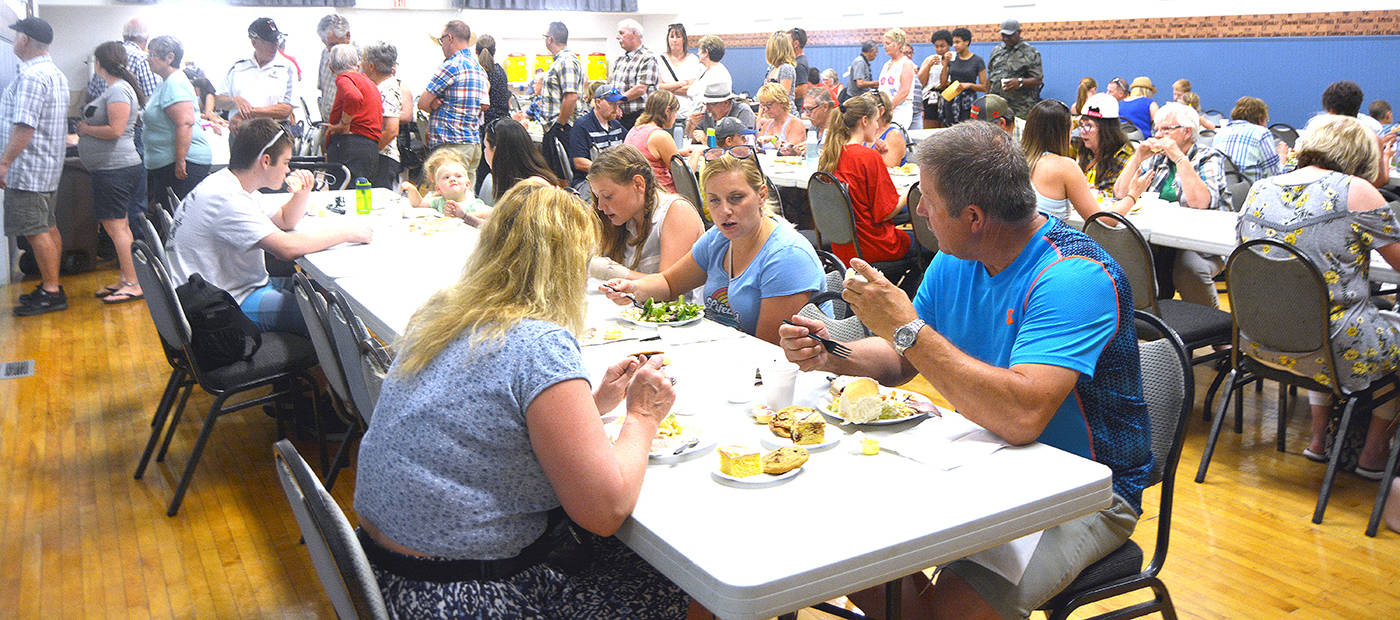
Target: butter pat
740,461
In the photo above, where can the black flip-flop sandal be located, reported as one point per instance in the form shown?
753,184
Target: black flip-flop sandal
121,298
111,289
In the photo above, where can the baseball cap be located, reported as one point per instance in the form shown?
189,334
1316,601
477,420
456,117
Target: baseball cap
34,28
990,108
730,126
607,92
1101,105
264,29
1010,26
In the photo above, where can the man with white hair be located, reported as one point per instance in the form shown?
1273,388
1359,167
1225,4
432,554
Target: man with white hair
134,38
334,30
259,86
1178,169
635,73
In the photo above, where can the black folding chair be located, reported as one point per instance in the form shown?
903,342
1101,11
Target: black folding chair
1167,388
688,187
335,550
282,359
835,219
328,175
1281,303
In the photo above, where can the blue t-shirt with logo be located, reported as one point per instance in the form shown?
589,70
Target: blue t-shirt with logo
785,265
1063,302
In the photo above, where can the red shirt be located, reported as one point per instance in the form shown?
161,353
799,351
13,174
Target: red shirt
873,198
357,96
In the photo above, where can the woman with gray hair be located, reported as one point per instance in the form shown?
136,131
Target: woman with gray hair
176,153
379,65
356,119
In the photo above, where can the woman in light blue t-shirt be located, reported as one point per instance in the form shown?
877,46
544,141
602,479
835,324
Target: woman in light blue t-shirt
177,153
756,270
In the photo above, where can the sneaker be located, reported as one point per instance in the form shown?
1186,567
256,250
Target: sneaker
41,301
25,297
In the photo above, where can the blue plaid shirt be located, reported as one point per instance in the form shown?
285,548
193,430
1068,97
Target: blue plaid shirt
37,97
461,84
1251,147
137,65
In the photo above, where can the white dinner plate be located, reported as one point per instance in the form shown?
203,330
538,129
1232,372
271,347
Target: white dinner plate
916,397
636,321
773,442
756,481
596,335
668,455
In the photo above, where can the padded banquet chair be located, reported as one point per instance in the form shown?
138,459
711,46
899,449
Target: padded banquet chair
1132,131
164,225
842,329
1206,138
1384,492
172,201
1198,326
146,231
561,161
688,187
922,233
314,312
282,359
1216,117
1238,186
1284,133
352,343
1167,389
335,550
831,209
1281,303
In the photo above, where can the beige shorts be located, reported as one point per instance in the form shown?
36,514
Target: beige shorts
1063,551
29,213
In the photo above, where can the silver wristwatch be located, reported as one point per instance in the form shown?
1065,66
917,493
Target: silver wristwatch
906,334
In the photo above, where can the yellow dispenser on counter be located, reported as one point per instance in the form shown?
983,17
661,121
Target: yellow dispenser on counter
597,66
515,68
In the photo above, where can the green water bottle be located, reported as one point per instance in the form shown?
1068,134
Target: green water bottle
362,196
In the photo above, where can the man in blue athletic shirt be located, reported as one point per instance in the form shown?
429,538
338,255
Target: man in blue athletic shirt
1026,326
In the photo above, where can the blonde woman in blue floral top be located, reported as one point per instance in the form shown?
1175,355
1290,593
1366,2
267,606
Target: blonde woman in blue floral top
1329,211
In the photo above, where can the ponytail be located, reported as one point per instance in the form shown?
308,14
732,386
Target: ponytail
111,56
486,51
839,127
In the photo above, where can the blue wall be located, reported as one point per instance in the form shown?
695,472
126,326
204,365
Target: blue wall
1287,73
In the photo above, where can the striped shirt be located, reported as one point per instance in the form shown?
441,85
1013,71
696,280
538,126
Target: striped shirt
1206,161
638,66
565,76
1251,147
38,98
137,65
460,84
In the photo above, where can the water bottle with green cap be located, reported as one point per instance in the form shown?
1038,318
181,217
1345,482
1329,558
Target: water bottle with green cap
362,205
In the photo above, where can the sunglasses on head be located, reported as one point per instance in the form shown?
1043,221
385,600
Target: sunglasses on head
263,151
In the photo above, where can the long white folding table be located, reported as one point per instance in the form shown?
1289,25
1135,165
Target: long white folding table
796,171
846,522
1208,231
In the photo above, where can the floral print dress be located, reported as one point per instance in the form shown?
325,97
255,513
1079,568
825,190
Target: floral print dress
1314,218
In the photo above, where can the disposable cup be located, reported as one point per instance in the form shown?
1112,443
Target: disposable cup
779,383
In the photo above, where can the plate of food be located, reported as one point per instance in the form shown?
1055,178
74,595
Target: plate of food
860,400
789,160
799,426
435,225
672,313
905,170
604,335
746,466
675,439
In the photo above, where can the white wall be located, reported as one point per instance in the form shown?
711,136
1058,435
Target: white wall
215,34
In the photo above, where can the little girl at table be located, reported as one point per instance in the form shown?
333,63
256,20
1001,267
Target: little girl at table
450,195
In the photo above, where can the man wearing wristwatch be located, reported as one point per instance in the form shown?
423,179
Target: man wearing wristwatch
1014,71
1026,326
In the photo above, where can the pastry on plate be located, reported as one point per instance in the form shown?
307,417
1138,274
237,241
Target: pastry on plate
740,461
809,430
784,460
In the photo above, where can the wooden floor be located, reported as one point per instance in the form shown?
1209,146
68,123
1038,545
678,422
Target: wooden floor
80,538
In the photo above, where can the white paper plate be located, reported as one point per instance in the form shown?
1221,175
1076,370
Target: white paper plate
773,442
760,480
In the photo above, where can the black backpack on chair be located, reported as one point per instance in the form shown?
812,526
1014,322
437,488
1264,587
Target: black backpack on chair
220,333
